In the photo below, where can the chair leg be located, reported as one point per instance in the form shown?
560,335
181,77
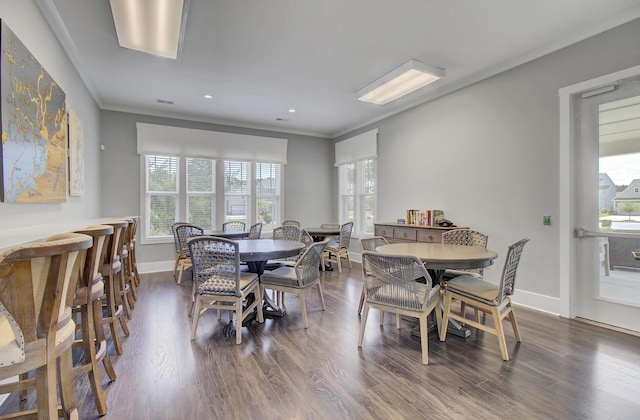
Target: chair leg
363,323
322,262
101,339
514,324
303,308
258,293
349,260
324,308
445,316
180,270
500,333
91,358
398,321
339,263
361,301
424,342
196,316
175,266
67,396
47,397
239,320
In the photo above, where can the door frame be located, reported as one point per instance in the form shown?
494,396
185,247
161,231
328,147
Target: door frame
566,226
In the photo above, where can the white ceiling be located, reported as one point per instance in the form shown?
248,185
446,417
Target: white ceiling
258,58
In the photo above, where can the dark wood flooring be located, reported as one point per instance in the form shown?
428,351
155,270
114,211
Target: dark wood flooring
563,369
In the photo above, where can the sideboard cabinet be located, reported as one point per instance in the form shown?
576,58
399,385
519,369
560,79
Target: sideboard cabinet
394,232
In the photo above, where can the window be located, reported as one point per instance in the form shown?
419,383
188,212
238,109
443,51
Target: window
236,191
184,189
357,195
201,192
161,198
267,181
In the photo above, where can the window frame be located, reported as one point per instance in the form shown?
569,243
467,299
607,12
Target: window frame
357,195
218,193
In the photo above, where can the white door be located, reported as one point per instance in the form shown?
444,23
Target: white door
606,156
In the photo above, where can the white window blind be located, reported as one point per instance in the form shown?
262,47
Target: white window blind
177,141
360,147
161,203
201,194
236,191
267,183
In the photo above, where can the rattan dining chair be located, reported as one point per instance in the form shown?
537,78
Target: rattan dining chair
234,226
336,251
391,286
491,298
219,282
176,241
465,237
297,279
291,223
370,244
255,231
185,232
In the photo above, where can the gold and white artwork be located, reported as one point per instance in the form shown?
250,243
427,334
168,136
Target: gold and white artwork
76,155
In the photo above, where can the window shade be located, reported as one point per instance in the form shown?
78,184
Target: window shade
360,147
177,141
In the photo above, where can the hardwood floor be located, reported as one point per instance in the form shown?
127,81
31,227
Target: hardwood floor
562,369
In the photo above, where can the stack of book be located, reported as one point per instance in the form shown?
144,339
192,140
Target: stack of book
424,217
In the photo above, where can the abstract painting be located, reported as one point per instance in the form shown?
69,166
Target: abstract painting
34,128
76,155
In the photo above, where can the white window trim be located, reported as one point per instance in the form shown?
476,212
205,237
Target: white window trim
219,195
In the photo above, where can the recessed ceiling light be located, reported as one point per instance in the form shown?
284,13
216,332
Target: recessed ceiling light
208,96
291,110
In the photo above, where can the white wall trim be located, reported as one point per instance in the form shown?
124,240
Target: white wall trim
155,267
566,306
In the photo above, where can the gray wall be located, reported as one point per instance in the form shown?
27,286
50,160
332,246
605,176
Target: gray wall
488,155
308,175
26,21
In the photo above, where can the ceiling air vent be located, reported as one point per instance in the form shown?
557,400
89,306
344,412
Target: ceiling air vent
164,101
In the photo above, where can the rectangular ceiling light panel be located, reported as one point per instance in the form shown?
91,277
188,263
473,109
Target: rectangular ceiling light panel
400,81
151,26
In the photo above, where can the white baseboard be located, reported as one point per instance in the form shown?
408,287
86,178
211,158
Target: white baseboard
155,267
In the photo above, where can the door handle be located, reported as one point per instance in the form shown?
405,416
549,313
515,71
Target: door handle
583,233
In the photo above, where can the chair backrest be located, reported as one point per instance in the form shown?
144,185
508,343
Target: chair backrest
288,233
185,232
466,237
95,257
345,235
255,231
308,265
391,280
234,226
216,265
372,242
291,223
175,235
306,238
508,279
113,244
37,283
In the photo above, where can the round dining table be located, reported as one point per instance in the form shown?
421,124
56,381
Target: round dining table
319,233
440,257
228,234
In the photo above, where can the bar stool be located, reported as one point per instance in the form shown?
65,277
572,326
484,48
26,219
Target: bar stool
88,303
127,263
37,284
125,290
111,271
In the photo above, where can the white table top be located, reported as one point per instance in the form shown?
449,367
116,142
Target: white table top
443,256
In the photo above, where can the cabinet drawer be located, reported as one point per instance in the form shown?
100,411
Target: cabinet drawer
385,231
404,234
429,236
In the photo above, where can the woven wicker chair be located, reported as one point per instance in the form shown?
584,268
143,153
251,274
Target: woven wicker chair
219,282
336,251
185,232
486,297
298,278
176,242
465,237
370,244
255,231
37,285
234,226
291,223
391,286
